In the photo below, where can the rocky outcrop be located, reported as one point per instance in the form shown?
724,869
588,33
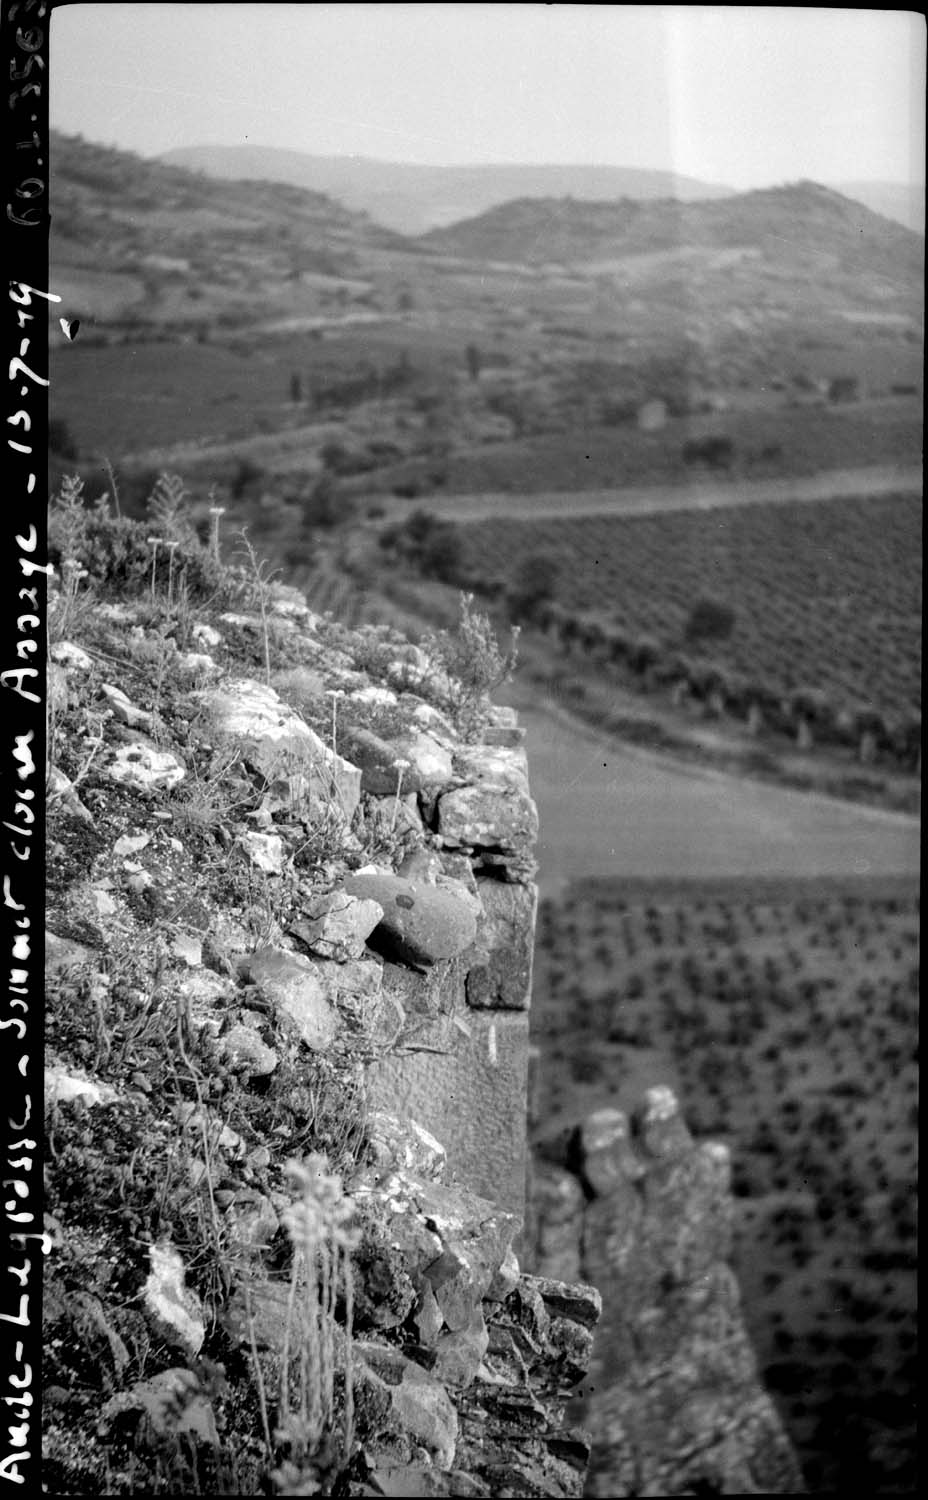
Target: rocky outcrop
674,1399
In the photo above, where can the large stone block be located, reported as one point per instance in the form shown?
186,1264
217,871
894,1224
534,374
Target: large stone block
500,975
471,1097
488,816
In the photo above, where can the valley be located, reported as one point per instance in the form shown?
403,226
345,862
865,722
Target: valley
678,444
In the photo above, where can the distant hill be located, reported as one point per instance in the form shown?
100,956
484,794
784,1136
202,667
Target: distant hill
902,201
413,199
802,226
155,243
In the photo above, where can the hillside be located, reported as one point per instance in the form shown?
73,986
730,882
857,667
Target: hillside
802,225
413,199
267,339
164,246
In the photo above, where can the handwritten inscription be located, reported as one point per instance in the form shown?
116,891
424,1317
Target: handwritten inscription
25,50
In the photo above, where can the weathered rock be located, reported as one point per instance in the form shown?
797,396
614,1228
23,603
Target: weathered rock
500,974
61,1086
66,654
296,988
421,1405
144,768
169,1402
264,850
380,762
62,789
674,1396
404,1146
459,1355
427,1317
421,924
606,1154
244,1050
174,1310
62,954
277,743
205,635
469,1091
124,709
488,816
660,1126
557,1204
506,1279
338,925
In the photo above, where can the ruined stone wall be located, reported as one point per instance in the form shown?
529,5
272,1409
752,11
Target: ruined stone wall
459,1065
674,1399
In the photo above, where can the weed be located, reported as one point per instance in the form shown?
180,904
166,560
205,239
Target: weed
261,583
474,665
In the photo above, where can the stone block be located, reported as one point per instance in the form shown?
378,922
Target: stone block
472,1098
487,816
500,974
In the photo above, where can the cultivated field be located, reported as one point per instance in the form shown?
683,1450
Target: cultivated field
826,596
786,1019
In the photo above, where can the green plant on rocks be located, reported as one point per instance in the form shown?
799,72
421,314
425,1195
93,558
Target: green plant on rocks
474,665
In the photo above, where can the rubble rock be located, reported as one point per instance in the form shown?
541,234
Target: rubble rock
421,924
175,1310
338,925
296,988
421,1405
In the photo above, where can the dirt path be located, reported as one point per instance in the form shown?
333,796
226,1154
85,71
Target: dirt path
703,495
611,810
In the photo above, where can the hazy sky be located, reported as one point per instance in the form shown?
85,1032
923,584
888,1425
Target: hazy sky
743,96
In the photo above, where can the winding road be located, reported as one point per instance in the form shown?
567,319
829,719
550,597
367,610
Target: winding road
645,500
608,810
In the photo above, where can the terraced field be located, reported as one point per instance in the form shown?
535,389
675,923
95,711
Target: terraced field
826,596
785,1017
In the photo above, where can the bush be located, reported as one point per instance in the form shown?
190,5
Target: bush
534,582
474,665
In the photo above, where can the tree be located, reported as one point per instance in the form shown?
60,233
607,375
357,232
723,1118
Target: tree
534,582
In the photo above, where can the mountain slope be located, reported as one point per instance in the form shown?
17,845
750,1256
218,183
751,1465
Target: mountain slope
800,225
414,199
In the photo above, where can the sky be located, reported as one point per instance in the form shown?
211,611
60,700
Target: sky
737,95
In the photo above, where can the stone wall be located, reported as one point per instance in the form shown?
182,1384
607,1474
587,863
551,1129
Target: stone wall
674,1399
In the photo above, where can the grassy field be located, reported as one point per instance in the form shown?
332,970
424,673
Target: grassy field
826,595
785,1017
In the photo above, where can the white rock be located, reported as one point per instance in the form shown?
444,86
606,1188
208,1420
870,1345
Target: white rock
145,768
131,844
61,1086
265,850
69,655
104,903
206,635
188,949
62,790
278,743
124,708
175,1308
374,694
